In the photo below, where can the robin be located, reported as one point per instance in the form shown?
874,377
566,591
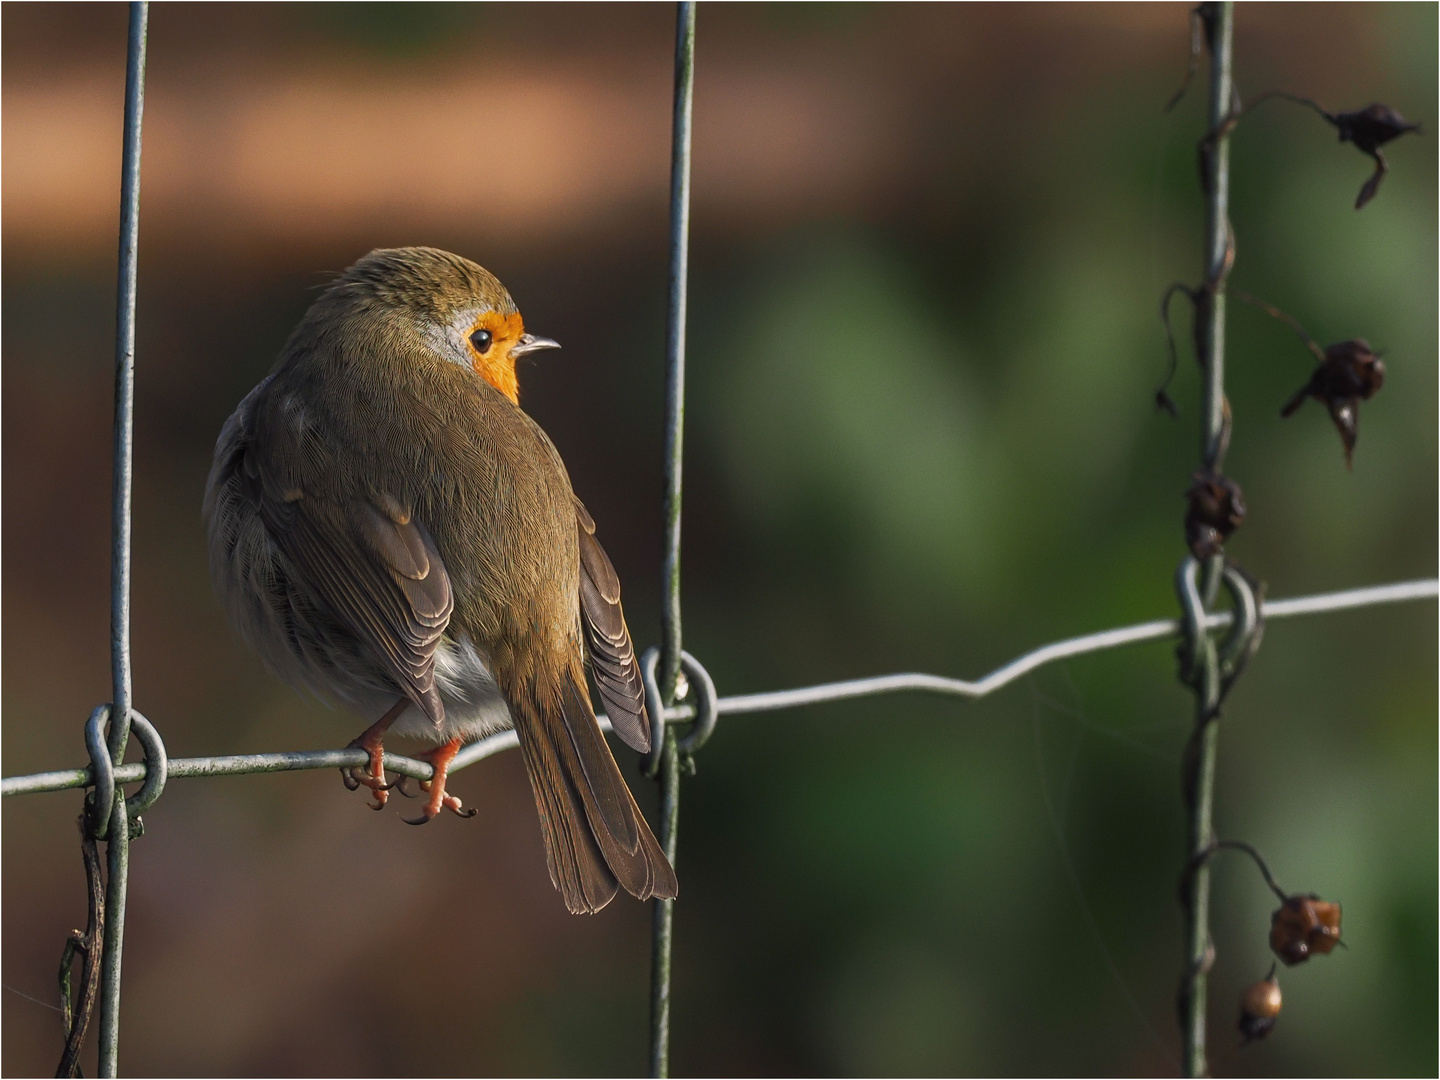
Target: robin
389,529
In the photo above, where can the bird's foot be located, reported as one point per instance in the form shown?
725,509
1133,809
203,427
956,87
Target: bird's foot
372,742
372,777
439,798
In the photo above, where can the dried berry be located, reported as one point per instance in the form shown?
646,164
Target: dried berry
1369,129
1217,507
1259,1007
1304,925
1352,372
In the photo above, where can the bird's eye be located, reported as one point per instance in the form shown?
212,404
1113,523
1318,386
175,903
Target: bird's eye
481,340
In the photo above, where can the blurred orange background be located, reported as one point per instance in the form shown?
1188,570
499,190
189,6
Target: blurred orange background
928,243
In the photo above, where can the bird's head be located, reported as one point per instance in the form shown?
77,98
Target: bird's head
459,309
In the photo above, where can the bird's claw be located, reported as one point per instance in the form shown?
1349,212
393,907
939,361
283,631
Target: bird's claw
440,799
357,776
444,802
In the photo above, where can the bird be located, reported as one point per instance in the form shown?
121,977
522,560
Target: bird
389,529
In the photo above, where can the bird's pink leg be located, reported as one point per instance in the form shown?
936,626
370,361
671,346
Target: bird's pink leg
371,741
440,799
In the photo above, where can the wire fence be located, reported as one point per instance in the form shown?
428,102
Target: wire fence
671,675
739,704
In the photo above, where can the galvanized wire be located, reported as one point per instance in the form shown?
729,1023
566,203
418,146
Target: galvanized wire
1201,666
667,756
662,926
670,643
118,844
741,704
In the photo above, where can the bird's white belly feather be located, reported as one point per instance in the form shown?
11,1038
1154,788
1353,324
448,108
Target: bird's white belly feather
473,703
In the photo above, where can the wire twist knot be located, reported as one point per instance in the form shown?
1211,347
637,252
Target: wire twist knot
102,770
706,712
1200,659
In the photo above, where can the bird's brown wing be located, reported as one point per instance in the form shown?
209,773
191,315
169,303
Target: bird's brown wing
612,656
375,569
595,836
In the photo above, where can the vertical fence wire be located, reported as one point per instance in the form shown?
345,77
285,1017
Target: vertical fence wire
1200,781
670,647
671,642
118,845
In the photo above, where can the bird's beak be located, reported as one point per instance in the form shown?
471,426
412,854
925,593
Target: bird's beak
529,343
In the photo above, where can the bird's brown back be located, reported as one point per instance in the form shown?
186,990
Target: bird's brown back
359,408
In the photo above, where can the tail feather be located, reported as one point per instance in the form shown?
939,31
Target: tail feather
576,866
595,836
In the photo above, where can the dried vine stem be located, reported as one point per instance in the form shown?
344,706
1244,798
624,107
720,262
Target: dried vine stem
1247,849
1286,318
90,945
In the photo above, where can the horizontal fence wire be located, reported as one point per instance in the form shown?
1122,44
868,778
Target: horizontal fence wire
1155,630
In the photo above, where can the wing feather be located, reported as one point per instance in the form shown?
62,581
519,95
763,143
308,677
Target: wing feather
612,655
378,573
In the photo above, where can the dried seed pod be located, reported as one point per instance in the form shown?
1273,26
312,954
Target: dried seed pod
1372,127
1304,925
1259,1007
1369,129
1217,507
1352,372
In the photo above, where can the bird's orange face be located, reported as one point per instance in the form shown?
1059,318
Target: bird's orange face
490,341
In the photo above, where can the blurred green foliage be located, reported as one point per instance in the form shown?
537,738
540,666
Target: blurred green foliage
921,438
